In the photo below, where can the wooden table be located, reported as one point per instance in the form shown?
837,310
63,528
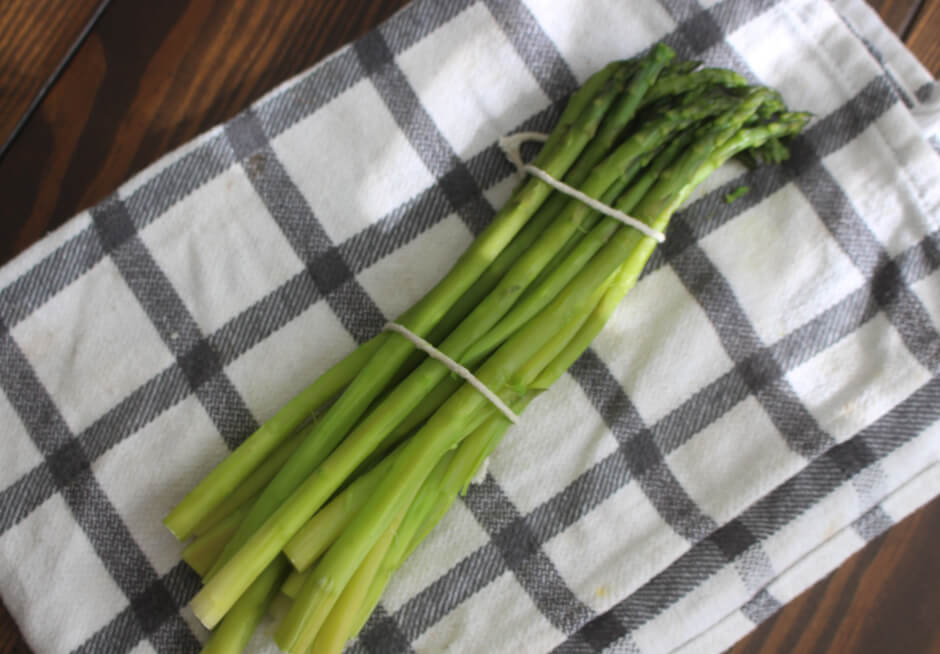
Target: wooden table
92,91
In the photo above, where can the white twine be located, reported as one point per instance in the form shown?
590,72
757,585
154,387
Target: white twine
510,146
436,354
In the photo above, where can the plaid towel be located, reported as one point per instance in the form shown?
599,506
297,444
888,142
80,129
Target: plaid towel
764,401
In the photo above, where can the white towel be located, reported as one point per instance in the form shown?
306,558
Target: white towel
763,402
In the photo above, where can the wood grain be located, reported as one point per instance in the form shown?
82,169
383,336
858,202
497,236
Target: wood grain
923,37
35,37
883,599
897,14
152,75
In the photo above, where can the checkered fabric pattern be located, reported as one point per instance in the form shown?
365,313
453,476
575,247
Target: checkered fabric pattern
764,402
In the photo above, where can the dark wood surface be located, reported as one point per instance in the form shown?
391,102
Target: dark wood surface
36,38
149,76
923,36
899,15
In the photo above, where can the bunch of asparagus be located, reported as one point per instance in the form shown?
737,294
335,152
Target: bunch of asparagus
329,497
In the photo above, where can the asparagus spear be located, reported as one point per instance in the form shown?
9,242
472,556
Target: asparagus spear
294,582
249,488
331,638
683,83
326,525
202,552
235,630
341,622
232,471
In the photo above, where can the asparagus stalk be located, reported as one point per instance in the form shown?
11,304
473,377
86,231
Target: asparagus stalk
433,503
294,582
233,470
235,631
578,103
683,83
250,487
325,526
342,621
681,67
336,630
203,551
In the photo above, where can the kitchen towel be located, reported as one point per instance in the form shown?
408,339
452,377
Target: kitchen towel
763,402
